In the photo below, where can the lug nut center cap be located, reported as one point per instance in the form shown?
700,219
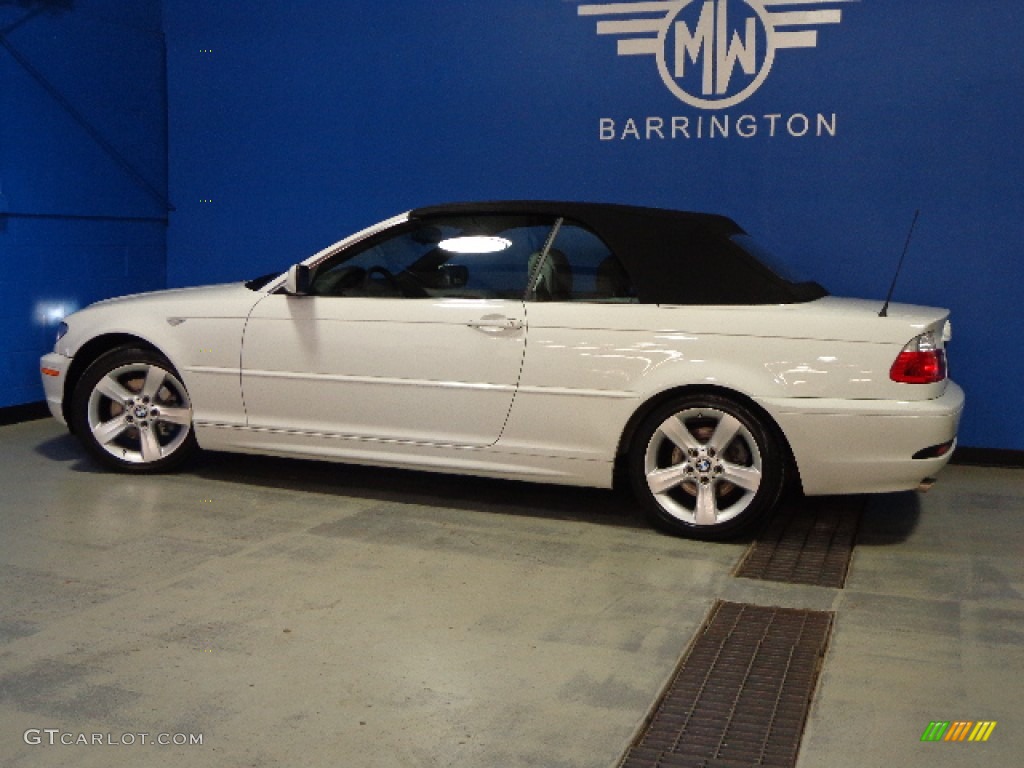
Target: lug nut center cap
704,465
141,411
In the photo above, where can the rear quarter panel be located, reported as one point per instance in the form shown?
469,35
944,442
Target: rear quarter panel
590,367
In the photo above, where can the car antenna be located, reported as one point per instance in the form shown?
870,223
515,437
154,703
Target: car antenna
888,298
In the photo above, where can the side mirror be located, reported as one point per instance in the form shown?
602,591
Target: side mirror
297,282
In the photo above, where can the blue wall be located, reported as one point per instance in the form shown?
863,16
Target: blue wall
82,168
293,124
303,122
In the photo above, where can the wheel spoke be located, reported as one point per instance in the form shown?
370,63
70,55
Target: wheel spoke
675,430
138,413
707,509
180,416
725,431
748,478
664,480
707,468
154,380
108,431
111,388
151,450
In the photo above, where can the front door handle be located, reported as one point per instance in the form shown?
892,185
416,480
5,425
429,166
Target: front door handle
496,323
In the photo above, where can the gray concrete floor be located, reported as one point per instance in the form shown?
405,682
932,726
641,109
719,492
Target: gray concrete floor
310,614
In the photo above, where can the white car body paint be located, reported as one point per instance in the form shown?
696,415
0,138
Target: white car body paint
528,390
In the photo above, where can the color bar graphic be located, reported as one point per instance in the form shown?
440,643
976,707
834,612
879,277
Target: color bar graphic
982,731
935,731
958,730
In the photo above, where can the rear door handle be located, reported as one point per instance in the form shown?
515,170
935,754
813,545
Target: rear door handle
496,323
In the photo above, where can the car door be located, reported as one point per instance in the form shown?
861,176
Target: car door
416,335
587,350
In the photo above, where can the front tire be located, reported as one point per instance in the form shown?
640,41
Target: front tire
705,466
132,413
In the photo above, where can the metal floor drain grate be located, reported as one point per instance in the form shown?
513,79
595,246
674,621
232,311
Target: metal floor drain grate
809,542
741,694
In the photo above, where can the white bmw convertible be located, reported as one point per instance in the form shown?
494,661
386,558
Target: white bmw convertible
539,341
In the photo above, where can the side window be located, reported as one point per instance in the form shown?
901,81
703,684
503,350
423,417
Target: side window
442,257
580,267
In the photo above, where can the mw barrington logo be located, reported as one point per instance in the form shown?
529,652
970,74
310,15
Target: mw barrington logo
713,54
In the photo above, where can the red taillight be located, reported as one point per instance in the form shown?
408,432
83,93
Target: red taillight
922,361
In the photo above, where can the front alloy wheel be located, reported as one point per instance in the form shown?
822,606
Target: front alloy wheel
132,412
706,467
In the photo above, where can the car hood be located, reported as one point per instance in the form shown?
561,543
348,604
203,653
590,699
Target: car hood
149,316
223,300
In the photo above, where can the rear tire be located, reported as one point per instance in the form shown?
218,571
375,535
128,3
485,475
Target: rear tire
132,413
706,467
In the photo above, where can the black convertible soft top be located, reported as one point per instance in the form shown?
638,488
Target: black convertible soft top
672,257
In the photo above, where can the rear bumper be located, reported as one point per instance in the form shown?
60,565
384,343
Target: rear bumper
867,446
53,370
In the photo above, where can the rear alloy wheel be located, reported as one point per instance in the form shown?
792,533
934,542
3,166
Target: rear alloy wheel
132,412
706,467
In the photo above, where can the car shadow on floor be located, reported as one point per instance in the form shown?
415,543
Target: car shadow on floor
614,507
67,450
889,518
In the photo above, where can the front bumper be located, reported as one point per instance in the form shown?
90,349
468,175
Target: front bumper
867,446
54,370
